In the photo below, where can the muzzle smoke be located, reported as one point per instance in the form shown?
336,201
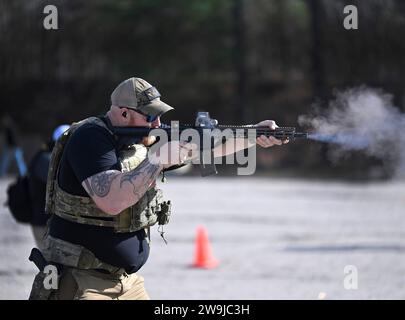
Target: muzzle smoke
361,119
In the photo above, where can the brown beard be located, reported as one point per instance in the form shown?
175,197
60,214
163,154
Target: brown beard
148,141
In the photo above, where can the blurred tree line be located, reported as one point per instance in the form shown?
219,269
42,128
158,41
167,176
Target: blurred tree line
242,60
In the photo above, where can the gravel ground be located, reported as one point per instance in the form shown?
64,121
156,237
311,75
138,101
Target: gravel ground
274,239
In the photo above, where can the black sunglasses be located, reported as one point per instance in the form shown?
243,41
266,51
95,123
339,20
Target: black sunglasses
149,118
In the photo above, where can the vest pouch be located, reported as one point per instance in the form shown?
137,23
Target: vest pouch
164,213
144,211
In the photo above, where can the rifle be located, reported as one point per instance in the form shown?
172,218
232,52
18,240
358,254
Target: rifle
210,130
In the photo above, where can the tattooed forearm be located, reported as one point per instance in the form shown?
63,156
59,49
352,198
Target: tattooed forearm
110,192
100,184
144,175
88,188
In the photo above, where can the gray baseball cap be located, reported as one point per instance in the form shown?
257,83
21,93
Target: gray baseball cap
138,94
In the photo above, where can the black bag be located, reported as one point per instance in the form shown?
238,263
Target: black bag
19,201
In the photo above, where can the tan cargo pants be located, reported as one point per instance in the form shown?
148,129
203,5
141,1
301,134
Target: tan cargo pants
79,284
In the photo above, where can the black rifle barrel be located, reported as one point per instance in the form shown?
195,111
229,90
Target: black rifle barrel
300,135
279,133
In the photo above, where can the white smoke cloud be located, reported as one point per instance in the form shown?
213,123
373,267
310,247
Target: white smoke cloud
358,115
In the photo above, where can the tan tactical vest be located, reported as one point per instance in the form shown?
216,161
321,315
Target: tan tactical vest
146,212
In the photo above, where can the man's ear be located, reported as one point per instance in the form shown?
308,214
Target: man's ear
125,115
124,112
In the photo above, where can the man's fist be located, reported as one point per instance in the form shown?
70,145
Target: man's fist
173,153
267,142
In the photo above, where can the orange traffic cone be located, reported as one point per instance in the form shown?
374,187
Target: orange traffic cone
203,255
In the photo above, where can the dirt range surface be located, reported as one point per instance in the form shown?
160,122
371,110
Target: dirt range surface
274,239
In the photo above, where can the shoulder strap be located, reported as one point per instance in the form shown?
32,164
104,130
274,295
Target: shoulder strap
57,155
52,171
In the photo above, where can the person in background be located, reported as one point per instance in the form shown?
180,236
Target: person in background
38,173
11,148
26,195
